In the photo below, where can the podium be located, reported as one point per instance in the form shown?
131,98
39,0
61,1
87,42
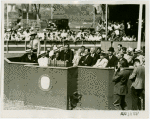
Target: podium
52,86
14,78
60,83
96,87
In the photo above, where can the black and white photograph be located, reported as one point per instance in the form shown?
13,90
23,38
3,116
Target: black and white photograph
75,56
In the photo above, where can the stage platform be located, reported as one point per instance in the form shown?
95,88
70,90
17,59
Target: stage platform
23,82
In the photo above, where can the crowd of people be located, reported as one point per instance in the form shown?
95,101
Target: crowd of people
96,57
93,57
115,32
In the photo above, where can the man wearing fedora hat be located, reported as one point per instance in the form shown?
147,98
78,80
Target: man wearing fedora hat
139,55
34,43
112,60
129,56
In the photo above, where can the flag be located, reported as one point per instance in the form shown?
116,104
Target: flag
9,8
97,8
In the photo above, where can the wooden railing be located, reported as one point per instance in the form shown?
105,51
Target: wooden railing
21,46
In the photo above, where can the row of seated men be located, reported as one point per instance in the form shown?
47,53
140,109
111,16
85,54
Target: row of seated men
87,57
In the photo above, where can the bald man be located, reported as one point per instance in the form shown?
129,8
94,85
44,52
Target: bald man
94,56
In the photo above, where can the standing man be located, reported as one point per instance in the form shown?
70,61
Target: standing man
82,50
120,79
112,59
119,49
66,54
138,85
34,44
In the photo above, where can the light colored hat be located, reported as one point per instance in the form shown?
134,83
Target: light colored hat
33,33
8,30
29,51
19,29
42,52
97,33
51,53
55,48
19,23
44,29
32,28
48,49
138,51
129,49
72,49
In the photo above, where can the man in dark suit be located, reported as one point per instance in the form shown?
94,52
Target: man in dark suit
121,58
29,57
56,56
138,86
120,78
86,60
112,60
94,56
66,54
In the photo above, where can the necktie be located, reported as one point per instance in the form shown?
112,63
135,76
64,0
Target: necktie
109,57
31,44
100,60
86,57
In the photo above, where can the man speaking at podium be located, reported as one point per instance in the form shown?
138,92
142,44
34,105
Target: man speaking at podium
66,54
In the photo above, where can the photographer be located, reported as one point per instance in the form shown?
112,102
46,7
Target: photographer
120,79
